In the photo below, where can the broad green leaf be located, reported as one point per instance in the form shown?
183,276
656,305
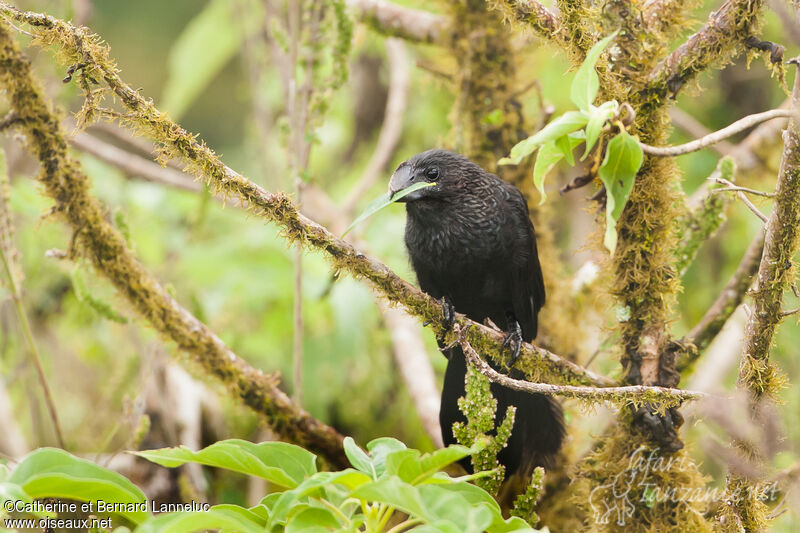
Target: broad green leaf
548,157
566,123
281,463
412,468
313,520
54,473
586,82
395,492
598,116
563,144
382,201
221,517
359,458
618,171
281,507
199,53
379,449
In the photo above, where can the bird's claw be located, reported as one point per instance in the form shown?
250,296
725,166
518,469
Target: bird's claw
514,341
449,317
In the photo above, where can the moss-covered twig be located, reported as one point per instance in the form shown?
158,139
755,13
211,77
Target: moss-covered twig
705,218
723,307
398,21
633,394
725,29
77,44
531,14
713,138
65,182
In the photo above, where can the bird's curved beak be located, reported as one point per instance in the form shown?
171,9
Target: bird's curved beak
402,179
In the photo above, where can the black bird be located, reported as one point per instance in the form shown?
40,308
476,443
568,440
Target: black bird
472,245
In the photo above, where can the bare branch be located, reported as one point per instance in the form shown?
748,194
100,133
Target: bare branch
635,393
717,136
134,165
695,129
398,21
739,194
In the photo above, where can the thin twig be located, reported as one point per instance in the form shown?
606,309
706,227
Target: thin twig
744,189
750,205
33,349
696,130
631,392
134,165
712,138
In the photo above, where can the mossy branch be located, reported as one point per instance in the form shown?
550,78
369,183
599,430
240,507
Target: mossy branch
635,395
705,219
776,271
97,240
77,45
725,29
530,14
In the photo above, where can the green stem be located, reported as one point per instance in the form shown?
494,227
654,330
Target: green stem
405,525
37,362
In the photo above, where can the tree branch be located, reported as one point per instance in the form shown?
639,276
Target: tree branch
95,238
398,21
531,14
724,30
713,138
134,165
79,46
775,272
639,394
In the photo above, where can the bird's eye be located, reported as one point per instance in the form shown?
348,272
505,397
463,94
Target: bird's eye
432,173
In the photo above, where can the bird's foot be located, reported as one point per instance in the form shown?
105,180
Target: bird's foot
449,317
513,341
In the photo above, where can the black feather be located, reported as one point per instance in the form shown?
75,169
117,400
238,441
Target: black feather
470,239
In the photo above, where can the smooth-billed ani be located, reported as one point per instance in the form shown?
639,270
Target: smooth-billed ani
472,244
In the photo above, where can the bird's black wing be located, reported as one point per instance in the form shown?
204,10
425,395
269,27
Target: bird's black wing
528,294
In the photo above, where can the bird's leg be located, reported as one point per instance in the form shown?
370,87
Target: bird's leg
513,338
449,315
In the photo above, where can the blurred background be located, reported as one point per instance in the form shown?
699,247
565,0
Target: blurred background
115,383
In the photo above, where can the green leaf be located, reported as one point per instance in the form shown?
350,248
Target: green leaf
566,123
563,143
382,201
586,83
281,463
379,449
220,517
598,116
618,171
359,458
53,473
548,157
313,520
200,52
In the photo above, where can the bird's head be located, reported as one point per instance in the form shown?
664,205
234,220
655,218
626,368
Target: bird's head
447,170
